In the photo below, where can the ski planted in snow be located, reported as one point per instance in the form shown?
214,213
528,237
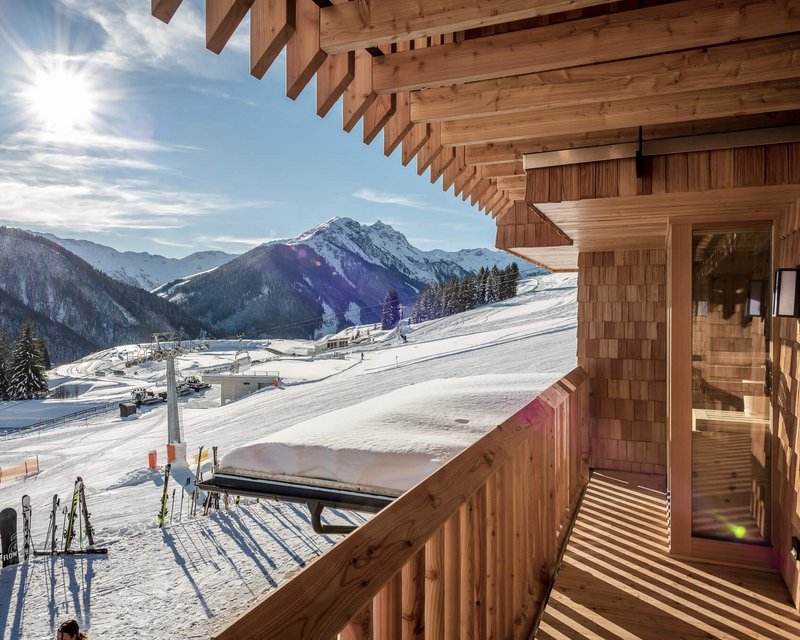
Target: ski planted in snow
193,506
86,514
163,513
27,545
53,526
69,534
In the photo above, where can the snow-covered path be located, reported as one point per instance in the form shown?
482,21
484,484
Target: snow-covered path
186,580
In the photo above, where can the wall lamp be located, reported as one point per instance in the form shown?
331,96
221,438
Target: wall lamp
753,307
786,303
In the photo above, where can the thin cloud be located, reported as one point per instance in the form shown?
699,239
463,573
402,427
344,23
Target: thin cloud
383,197
248,242
170,243
134,38
223,95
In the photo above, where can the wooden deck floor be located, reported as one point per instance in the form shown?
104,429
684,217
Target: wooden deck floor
616,580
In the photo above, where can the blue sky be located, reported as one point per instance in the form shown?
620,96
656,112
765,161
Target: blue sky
122,130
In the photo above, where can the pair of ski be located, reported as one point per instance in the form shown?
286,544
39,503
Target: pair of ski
77,511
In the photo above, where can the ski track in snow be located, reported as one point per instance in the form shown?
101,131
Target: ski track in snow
196,575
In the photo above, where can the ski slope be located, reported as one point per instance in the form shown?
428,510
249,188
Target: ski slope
187,580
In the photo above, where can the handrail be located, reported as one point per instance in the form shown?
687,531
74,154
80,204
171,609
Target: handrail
82,413
482,532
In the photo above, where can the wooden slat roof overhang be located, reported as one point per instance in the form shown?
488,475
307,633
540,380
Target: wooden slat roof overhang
477,93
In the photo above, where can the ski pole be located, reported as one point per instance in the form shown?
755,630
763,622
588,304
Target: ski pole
172,508
186,486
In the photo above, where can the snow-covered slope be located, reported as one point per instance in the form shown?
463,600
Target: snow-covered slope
141,269
193,577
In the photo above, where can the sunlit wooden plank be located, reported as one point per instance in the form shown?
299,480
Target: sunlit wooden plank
368,23
668,27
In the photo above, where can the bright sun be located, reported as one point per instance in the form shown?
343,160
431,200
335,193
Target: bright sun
63,100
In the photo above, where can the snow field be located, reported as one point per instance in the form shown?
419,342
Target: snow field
191,578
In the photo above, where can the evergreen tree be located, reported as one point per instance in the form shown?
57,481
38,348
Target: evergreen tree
43,353
5,363
469,293
28,378
493,285
483,275
513,279
390,315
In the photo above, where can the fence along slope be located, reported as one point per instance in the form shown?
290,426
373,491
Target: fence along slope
481,534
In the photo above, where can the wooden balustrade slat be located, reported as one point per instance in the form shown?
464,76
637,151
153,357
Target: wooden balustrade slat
475,541
452,577
466,601
434,585
413,599
386,610
480,583
360,627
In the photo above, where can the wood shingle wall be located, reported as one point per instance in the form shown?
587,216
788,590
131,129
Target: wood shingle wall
787,405
622,345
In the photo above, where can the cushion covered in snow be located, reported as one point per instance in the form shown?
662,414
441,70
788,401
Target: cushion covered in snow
388,444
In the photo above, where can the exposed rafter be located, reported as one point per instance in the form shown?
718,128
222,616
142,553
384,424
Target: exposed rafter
650,110
670,27
369,23
698,69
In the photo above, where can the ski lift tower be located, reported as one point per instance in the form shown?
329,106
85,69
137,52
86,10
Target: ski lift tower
169,345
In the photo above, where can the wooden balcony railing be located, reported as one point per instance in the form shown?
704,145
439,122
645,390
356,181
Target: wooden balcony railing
467,553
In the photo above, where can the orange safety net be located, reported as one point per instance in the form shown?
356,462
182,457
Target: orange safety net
24,468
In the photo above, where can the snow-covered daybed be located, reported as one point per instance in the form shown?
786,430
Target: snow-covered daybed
364,455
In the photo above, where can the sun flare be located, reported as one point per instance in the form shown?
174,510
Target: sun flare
62,100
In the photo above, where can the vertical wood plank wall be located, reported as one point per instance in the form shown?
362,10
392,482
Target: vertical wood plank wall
622,345
787,405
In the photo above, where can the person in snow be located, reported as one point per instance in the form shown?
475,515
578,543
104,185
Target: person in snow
69,630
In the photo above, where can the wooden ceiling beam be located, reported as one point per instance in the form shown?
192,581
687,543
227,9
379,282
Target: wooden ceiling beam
431,149
222,19
503,169
303,55
333,77
351,26
480,188
673,26
500,152
487,196
377,116
449,176
272,23
164,9
511,182
441,162
723,66
337,71
400,123
358,95
650,110
413,142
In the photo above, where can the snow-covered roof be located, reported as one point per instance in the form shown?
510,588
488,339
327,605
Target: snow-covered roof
388,444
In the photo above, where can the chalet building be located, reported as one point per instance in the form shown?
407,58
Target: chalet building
653,147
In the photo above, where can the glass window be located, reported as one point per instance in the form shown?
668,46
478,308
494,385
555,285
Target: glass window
731,412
